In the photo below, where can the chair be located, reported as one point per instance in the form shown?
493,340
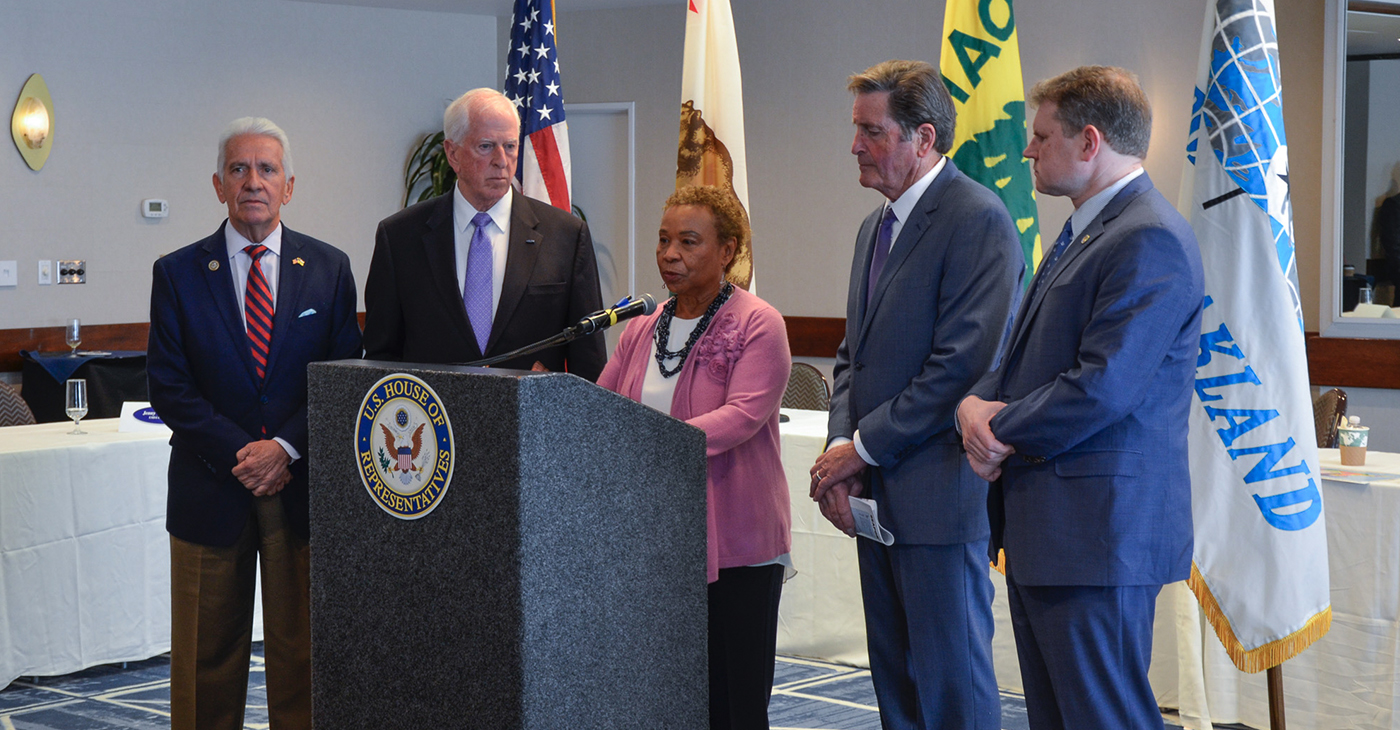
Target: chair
807,389
13,410
1328,409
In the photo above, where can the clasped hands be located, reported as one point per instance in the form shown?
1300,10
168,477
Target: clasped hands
984,452
263,467
835,479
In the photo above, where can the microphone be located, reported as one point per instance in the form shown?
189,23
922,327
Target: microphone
623,310
600,320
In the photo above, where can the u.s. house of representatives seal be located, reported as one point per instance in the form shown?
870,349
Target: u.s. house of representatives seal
403,443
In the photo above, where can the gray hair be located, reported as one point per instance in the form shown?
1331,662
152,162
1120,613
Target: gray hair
259,126
1107,97
917,97
457,120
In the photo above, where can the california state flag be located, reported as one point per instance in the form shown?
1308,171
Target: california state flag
711,150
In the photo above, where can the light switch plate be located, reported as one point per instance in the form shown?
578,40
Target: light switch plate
45,272
9,273
72,272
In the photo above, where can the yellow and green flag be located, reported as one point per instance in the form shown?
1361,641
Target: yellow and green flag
981,67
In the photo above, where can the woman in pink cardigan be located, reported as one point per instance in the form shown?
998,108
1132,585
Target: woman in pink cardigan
716,357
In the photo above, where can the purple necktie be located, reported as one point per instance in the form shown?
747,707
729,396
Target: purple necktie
882,252
476,293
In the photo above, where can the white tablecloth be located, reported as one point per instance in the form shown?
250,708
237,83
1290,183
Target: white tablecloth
1348,679
84,557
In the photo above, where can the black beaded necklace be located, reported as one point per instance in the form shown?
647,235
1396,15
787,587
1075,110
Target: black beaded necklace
663,330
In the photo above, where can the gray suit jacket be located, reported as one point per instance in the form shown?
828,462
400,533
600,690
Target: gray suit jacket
932,328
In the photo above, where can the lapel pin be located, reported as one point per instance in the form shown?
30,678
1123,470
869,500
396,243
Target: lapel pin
529,240
213,265
299,261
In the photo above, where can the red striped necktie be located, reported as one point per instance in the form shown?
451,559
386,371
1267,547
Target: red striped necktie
257,310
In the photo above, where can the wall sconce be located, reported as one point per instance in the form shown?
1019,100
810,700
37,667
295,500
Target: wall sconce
31,125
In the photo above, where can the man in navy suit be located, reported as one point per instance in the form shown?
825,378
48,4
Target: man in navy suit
235,318
482,270
934,278
1085,420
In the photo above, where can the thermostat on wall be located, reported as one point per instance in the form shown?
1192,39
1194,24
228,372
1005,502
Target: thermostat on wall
154,208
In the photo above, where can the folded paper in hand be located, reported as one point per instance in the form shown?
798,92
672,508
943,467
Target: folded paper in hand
867,517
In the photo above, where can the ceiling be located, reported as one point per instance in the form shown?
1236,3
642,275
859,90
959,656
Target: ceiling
484,7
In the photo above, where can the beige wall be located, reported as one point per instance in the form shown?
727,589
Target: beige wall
141,90
796,54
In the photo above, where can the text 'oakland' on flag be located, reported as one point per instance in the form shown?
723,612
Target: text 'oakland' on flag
981,67
1260,565
532,84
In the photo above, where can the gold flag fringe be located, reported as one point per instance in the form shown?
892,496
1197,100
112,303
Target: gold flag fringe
1269,655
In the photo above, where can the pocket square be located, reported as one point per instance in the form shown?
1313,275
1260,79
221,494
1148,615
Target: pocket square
307,313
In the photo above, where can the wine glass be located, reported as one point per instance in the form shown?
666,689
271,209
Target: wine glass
76,402
73,335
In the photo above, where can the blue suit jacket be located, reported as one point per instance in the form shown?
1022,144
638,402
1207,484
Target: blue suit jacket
932,328
203,384
1097,377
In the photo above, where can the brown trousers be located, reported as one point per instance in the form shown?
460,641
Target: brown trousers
211,630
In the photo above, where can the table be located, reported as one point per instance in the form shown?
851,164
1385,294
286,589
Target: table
111,379
84,556
1348,679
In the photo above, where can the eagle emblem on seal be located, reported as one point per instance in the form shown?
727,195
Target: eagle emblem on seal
407,455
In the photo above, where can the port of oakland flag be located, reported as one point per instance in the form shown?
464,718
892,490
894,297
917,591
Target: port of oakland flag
532,84
1260,564
981,66
711,148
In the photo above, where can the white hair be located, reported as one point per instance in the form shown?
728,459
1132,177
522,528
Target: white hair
258,126
457,122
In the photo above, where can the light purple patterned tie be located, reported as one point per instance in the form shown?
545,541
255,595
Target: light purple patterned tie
476,294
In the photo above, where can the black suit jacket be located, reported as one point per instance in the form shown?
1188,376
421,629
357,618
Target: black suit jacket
413,304
204,387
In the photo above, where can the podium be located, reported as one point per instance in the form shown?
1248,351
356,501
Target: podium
538,563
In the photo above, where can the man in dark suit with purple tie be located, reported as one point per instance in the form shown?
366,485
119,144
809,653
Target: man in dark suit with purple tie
482,270
1082,428
933,280
235,319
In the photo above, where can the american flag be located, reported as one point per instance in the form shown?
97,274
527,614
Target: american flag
532,83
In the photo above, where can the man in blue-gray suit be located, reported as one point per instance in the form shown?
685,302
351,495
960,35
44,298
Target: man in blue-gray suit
1083,425
235,318
934,278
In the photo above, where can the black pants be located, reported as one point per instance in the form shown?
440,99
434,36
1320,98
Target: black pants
743,641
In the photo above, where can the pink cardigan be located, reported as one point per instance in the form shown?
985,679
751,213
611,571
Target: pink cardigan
730,387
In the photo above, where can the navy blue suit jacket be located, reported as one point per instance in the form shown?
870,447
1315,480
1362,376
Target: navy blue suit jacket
1098,377
203,384
932,328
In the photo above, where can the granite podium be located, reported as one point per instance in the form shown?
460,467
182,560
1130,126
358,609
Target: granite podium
502,549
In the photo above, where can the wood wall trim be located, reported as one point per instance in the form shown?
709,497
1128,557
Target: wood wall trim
50,339
1333,361
815,336
1353,363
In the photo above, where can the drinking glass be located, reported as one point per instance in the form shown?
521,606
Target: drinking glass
73,335
76,402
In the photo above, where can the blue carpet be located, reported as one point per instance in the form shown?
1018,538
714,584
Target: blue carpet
806,694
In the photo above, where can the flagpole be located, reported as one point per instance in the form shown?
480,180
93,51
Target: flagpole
1274,677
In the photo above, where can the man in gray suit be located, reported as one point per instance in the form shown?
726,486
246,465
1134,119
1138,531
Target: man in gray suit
935,275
